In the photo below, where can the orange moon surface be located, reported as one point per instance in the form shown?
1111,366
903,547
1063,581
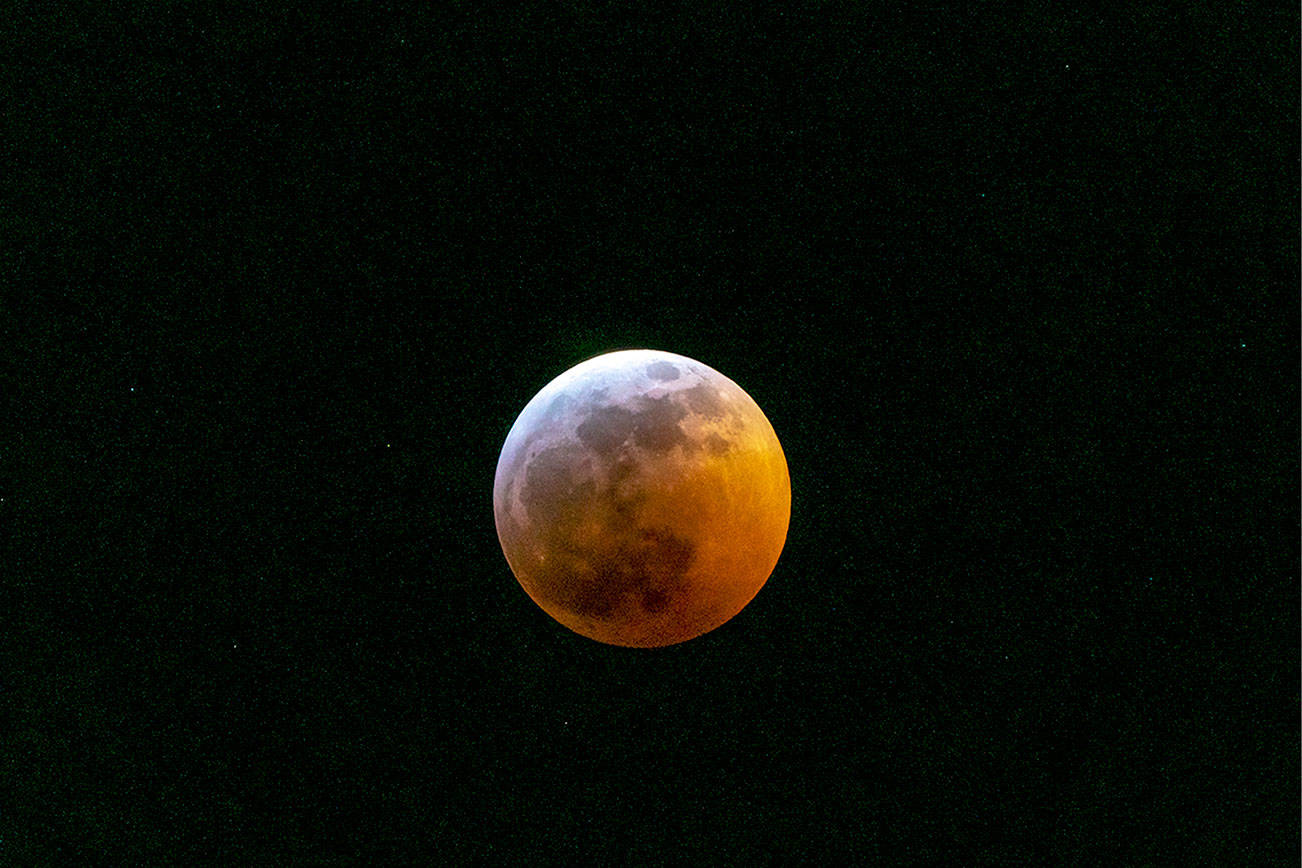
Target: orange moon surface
642,498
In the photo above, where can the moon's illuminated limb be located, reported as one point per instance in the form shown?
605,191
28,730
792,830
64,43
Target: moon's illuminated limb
642,498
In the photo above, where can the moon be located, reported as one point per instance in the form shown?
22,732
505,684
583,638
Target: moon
642,498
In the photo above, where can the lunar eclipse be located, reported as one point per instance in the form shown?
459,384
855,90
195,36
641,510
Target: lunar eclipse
642,498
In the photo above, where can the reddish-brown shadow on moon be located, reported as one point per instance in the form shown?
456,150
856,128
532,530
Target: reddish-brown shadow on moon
642,498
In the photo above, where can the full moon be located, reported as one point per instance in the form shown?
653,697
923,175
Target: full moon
642,498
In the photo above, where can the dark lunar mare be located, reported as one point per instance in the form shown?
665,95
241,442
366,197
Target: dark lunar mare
648,565
662,371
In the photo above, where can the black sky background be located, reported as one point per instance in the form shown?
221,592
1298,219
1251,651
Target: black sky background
1017,290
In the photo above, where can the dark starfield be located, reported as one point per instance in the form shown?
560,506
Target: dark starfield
1018,293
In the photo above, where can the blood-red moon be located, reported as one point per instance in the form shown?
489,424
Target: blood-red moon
642,498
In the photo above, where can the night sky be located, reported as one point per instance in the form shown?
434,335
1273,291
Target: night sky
1017,291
